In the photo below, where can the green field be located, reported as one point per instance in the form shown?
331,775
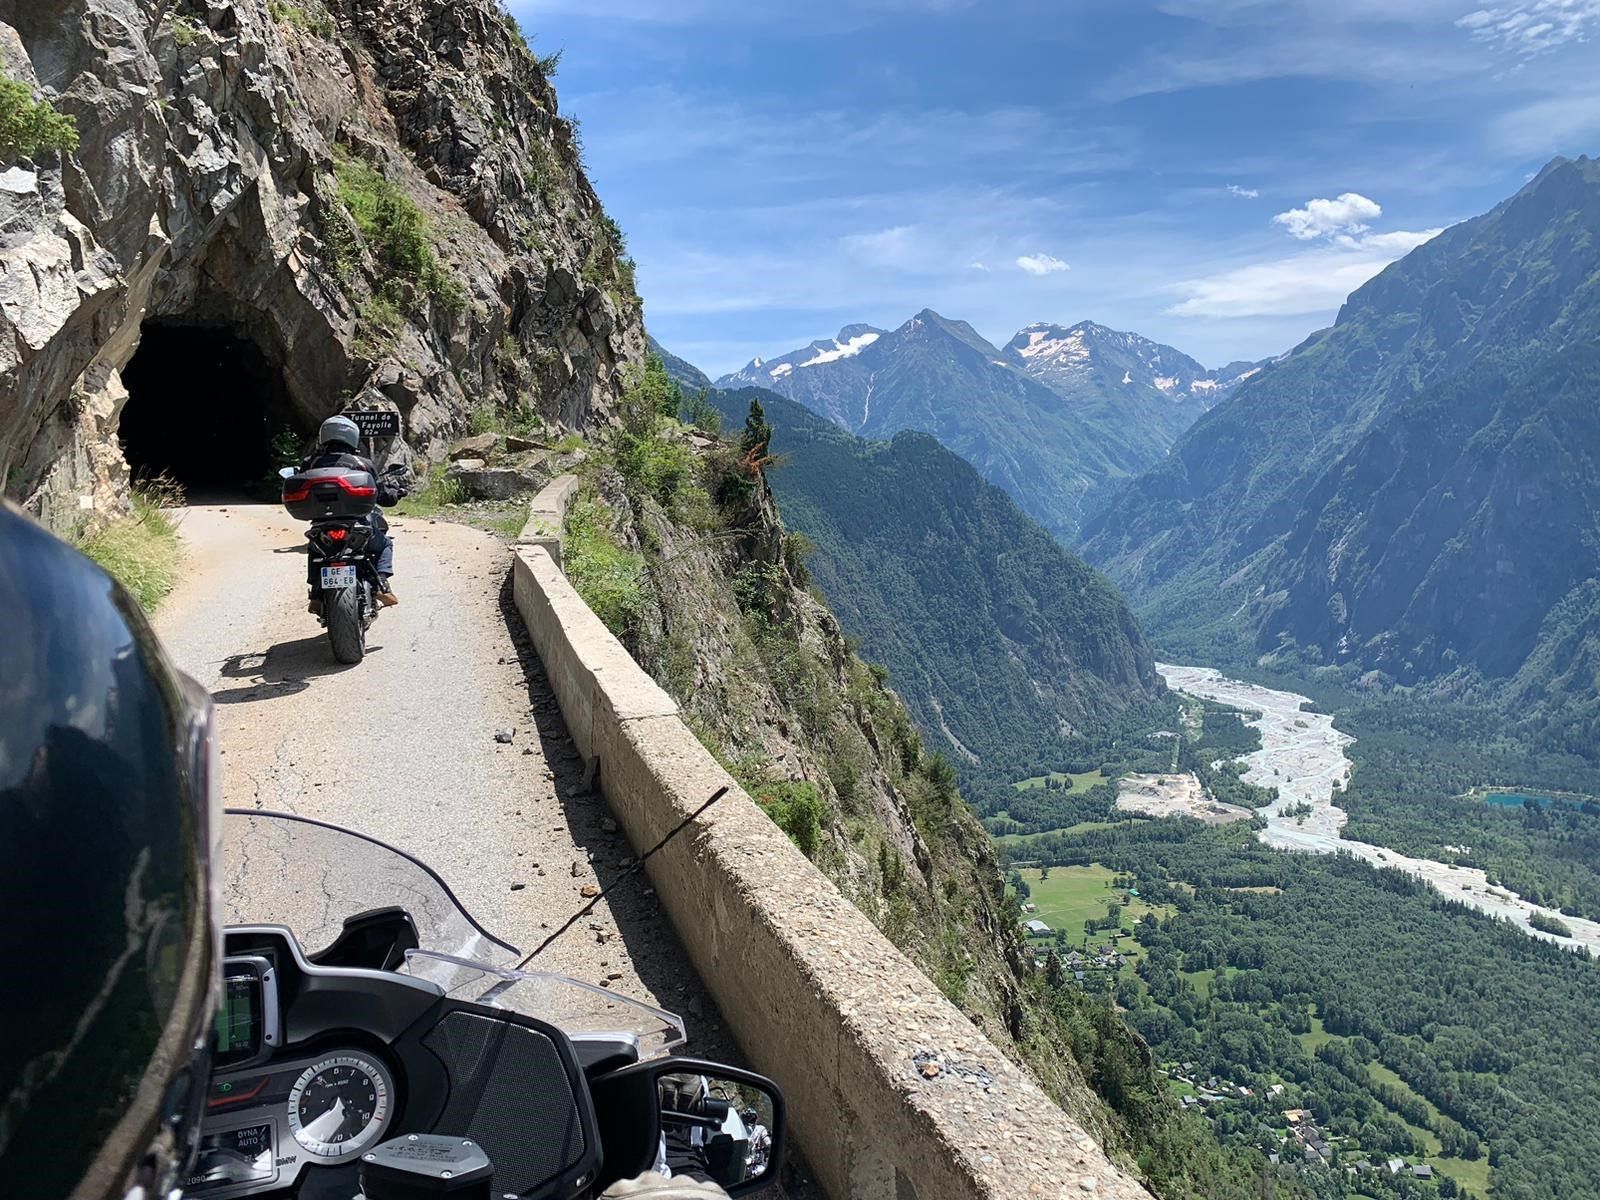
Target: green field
1079,782
1472,1174
1073,895
1201,980
1317,1038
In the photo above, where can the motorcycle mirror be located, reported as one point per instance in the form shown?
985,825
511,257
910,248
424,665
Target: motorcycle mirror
286,472
710,1122
719,1123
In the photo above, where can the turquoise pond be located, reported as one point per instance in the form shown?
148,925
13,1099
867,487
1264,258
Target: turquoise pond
1516,799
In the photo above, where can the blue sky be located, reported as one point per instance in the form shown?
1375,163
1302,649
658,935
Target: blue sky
1216,174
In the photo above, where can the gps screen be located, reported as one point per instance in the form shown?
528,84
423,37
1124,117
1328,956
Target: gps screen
237,1035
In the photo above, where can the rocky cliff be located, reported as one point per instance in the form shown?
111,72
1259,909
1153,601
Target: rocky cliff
379,196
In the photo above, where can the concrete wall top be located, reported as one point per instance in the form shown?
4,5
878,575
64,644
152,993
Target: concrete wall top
546,513
893,1093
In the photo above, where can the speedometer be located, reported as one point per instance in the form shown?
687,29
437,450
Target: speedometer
340,1106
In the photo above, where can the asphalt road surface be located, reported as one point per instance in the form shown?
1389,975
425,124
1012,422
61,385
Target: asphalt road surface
402,746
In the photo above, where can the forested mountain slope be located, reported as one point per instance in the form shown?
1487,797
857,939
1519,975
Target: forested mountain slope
1002,644
1410,491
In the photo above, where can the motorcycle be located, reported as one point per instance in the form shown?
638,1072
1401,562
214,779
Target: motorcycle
374,1039
339,504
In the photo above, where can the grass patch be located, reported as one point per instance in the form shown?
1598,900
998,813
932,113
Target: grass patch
1202,980
609,578
439,493
1472,1174
1317,1038
141,551
397,235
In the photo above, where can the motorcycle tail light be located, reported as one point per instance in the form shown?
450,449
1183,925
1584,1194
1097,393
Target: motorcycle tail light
338,535
352,489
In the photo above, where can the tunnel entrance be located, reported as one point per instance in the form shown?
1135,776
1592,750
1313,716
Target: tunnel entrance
204,408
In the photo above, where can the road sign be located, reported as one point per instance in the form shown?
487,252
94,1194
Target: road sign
375,422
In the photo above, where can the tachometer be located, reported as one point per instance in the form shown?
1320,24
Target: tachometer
341,1106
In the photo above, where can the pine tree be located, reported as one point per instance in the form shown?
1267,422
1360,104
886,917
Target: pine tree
757,433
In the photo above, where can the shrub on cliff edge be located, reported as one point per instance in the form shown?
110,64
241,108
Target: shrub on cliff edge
29,126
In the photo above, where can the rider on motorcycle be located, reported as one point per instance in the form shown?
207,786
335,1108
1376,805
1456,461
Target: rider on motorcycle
338,442
108,827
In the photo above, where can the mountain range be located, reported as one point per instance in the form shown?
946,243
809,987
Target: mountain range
1413,492
1001,642
1058,418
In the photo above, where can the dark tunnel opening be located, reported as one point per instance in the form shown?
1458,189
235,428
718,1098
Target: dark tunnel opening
203,409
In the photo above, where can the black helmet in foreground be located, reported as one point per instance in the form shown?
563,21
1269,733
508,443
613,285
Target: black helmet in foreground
109,946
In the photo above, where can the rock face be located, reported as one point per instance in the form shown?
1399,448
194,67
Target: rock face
205,193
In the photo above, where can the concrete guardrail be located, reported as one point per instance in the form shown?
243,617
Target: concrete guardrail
546,512
893,1094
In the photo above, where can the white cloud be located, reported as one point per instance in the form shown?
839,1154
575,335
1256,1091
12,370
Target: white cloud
1548,127
1346,214
1041,264
1532,28
895,247
1243,193
1314,281
977,266
1398,242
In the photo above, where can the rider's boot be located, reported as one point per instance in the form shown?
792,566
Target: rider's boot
386,596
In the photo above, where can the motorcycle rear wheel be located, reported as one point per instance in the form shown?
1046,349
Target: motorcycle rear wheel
347,632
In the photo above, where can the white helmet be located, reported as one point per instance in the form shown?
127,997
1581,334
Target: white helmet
341,431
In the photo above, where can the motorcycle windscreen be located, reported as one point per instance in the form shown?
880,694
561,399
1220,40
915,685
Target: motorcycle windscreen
574,1007
281,869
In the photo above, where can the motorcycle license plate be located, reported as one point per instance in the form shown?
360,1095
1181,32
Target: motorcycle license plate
334,578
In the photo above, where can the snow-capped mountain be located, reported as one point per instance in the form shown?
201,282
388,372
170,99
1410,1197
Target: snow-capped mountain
1003,411
764,372
1088,359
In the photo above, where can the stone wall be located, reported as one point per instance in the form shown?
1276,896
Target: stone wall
893,1093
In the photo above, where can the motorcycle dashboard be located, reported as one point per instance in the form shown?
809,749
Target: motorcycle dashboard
317,1065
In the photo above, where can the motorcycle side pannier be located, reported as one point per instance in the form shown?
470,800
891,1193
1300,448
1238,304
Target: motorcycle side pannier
325,493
